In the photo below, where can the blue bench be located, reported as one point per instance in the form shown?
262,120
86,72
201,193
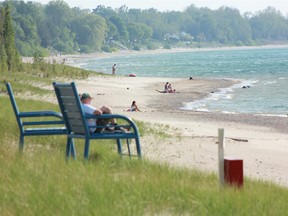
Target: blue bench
76,123
37,123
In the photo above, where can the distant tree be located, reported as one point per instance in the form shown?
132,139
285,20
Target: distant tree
2,48
13,58
112,30
231,26
153,18
55,29
3,59
105,12
122,33
269,25
90,31
3,55
208,25
135,32
26,16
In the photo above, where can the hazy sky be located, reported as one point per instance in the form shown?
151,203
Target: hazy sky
180,5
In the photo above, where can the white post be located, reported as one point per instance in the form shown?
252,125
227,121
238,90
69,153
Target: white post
221,145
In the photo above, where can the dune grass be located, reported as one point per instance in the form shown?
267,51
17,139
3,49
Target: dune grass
40,181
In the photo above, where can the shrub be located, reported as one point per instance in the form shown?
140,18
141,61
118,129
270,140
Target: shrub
106,48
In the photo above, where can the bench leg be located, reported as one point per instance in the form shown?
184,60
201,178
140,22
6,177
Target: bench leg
138,147
21,143
128,147
119,147
73,150
86,149
70,149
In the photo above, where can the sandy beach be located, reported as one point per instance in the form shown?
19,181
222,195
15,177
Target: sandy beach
261,141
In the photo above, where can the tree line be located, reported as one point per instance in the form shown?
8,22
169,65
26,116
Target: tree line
58,28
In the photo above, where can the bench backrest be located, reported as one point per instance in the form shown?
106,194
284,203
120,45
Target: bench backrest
14,105
71,108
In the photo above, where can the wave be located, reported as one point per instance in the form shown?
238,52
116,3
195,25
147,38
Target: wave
269,82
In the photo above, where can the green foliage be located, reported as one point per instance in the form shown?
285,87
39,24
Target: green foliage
269,25
42,73
3,59
69,29
156,130
25,25
85,49
106,48
62,47
10,53
122,33
139,32
38,57
167,46
152,46
90,31
137,47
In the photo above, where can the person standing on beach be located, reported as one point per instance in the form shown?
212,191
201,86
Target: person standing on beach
114,69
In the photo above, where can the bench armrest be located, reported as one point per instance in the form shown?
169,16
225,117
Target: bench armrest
39,114
115,116
109,116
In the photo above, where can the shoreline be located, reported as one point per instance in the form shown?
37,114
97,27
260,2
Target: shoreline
73,59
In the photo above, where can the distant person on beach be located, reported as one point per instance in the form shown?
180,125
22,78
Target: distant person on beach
165,88
114,69
89,109
134,107
170,89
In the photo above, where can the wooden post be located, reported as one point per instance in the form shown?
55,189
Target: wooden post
221,145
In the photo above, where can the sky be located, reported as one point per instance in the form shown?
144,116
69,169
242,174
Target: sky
180,5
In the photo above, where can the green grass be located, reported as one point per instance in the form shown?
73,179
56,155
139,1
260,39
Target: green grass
158,130
41,182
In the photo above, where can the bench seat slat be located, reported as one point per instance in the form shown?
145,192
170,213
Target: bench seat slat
43,123
45,131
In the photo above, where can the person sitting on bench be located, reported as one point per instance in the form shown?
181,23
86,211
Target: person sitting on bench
89,109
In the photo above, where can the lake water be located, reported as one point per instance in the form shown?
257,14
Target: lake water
263,70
